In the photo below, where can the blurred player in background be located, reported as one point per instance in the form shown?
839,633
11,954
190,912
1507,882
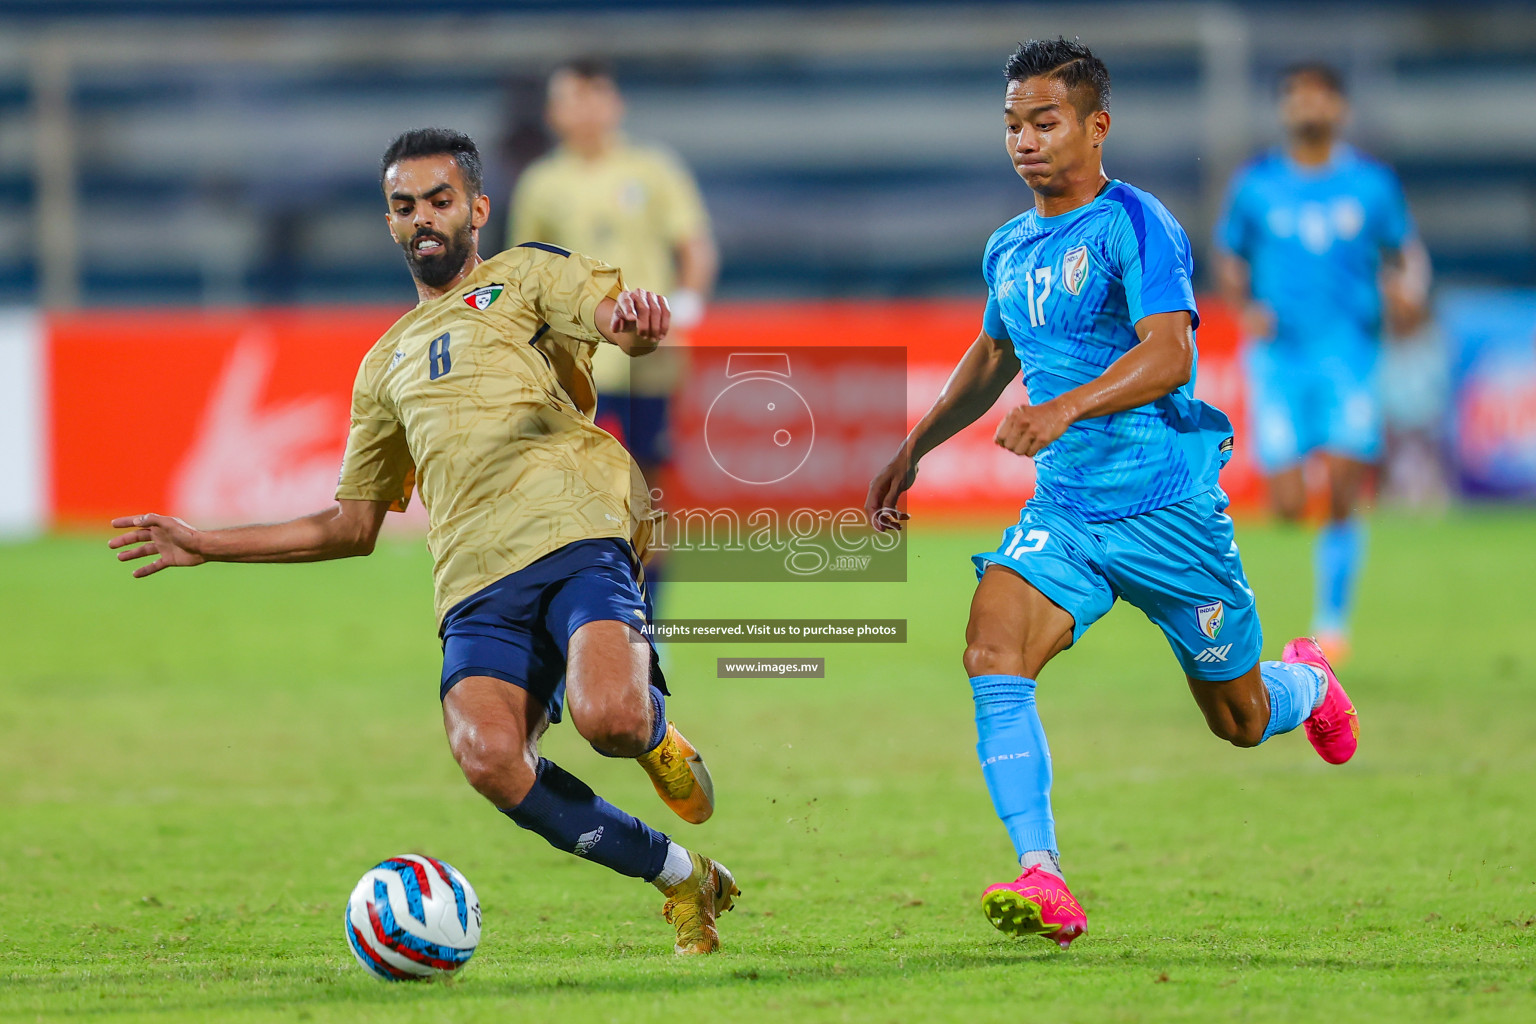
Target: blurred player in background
1315,244
1089,292
634,207
482,397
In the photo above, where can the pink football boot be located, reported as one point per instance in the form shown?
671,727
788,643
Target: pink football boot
1035,903
1334,728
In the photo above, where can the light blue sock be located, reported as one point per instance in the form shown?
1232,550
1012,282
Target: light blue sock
1337,556
1294,690
1015,759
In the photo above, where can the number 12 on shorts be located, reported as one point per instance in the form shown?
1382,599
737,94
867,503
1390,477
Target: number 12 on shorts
1027,543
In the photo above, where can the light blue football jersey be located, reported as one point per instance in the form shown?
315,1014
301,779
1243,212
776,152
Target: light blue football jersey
1067,291
1312,238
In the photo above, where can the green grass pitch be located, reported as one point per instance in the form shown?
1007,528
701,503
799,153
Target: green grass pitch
195,768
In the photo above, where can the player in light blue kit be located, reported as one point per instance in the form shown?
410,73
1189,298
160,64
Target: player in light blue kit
1089,293
1314,236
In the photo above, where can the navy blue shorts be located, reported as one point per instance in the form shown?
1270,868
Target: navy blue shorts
639,422
519,628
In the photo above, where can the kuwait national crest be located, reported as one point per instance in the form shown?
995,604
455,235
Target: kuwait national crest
481,298
1210,617
1074,269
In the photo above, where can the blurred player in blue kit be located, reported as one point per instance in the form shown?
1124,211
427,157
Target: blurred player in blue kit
1316,245
1089,294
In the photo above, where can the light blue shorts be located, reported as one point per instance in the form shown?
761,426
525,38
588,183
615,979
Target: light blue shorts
1298,407
1178,564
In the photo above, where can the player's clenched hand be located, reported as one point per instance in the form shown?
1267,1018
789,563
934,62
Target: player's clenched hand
1028,428
645,313
173,541
885,488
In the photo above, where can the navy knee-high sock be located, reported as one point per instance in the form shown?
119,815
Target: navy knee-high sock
565,811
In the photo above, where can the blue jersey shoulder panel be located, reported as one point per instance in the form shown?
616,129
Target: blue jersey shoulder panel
1156,261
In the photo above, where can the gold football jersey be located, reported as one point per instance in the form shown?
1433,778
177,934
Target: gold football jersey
482,400
630,208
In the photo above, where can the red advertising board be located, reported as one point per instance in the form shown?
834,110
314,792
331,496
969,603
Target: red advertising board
233,416
970,476
218,416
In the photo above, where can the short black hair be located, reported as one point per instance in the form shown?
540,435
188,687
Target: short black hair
1069,62
1323,73
588,66
436,142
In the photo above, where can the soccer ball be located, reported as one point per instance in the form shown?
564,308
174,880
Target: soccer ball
412,917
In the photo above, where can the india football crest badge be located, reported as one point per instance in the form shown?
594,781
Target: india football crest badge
1210,617
481,298
1074,269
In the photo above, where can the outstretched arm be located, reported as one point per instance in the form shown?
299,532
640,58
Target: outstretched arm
982,374
1161,363
345,529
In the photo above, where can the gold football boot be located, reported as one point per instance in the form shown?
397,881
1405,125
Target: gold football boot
694,903
680,777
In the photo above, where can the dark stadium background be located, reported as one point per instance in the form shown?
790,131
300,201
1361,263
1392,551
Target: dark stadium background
845,149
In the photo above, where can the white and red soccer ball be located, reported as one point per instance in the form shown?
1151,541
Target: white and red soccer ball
412,917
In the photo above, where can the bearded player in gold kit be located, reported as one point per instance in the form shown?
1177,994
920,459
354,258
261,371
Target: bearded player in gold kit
482,398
